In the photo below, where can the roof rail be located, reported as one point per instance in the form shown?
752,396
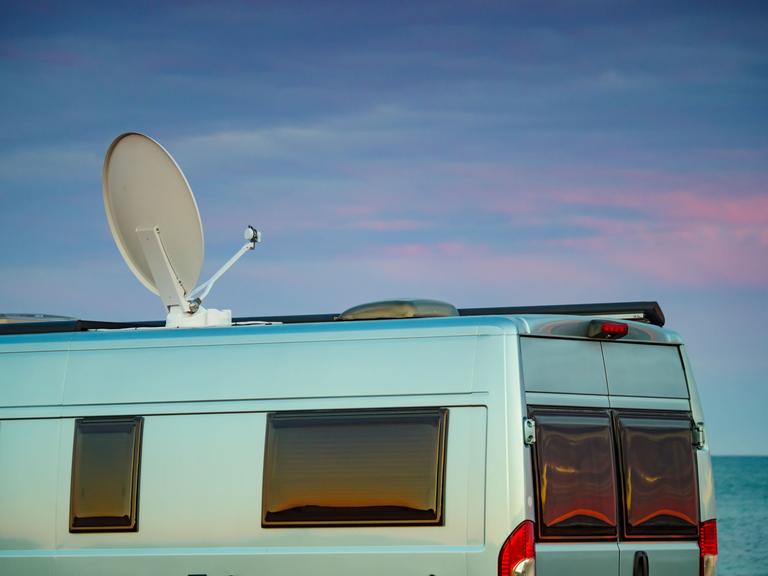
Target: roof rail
643,311
39,324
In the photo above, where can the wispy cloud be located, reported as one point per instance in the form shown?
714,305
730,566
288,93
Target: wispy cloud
48,164
390,225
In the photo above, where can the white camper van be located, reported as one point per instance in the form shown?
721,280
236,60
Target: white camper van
550,440
403,438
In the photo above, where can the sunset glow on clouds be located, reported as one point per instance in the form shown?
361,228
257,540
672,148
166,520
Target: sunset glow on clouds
486,153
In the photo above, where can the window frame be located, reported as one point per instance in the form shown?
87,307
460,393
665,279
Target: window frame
440,476
101,523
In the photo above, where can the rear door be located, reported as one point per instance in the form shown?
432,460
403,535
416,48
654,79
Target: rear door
576,493
636,452
660,497
656,459
575,471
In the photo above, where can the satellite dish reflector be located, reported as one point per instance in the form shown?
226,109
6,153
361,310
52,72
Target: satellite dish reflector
156,225
144,188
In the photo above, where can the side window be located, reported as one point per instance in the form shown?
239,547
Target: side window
382,467
575,472
105,475
659,476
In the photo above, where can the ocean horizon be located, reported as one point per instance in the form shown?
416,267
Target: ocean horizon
741,490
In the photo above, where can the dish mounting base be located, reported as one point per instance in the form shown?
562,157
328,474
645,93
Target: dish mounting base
177,318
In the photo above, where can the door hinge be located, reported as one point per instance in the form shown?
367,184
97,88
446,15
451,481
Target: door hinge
698,435
529,431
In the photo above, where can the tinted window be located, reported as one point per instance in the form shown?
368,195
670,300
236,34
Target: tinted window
105,470
361,467
659,476
576,493
644,370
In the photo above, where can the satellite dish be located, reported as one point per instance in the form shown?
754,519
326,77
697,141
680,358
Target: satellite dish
145,188
156,225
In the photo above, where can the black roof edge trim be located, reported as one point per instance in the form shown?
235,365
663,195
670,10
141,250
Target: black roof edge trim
41,327
73,326
651,312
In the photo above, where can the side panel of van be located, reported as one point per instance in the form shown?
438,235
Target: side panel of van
32,378
320,369
200,507
29,466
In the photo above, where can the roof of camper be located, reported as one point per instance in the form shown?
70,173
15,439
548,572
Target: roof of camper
645,319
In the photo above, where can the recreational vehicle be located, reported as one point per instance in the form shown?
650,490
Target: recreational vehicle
560,440
399,438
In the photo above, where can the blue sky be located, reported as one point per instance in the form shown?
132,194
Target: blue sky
485,153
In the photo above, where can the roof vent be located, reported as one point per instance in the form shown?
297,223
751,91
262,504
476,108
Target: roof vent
390,309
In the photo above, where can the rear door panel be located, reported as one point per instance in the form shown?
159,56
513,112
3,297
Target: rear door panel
664,558
577,558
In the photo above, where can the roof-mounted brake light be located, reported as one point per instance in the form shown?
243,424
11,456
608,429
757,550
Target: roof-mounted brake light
607,330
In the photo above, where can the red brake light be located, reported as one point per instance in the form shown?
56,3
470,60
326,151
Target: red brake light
606,329
517,549
708,537
707,547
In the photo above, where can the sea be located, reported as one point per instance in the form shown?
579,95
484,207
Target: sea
741,489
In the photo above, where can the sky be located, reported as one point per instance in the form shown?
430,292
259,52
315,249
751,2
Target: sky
485,153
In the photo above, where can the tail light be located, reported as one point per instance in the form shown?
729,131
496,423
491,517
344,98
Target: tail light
708,548
518,554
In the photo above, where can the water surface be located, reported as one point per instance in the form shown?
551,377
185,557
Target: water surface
741,488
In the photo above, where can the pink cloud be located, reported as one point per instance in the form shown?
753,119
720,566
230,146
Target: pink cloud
695,254
690,230
714,256
393,225
408,251
750,210
632,226
609,226
355,210
454,249
434,250
684,229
